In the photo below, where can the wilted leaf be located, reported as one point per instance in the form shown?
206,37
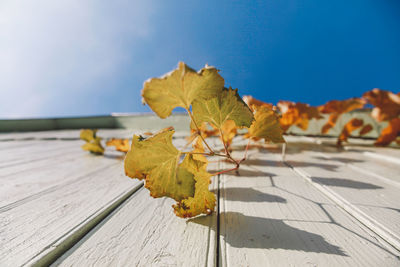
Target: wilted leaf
251,101
226,106
387,104
338,107
203,200
366,129
120,144
390,133
93,143
348,128
265,125
180,88
297,114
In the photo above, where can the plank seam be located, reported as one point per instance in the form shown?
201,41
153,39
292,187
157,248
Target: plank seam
369,173
387,235
57,248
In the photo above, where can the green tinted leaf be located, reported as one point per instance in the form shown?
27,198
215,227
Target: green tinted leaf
226,106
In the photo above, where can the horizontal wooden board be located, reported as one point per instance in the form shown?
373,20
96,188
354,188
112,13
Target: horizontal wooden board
145,232
270,216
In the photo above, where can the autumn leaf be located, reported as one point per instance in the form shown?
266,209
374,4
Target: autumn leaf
120,144
387,104
265,125
203,200
366,129
298,114
157,160
251,101
198,147
229,131
390,133
337,107
226,106
348,128
93,143
180,88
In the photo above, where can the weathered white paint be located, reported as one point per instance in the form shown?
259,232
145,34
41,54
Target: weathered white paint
145,232
272,217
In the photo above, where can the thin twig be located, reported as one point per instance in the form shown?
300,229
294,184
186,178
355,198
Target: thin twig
226,149
205,154
221,172
245,152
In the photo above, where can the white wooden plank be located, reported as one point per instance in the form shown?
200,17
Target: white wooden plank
43,162
29,229
145,232
272,217
376,198
41,150
21,187
353,158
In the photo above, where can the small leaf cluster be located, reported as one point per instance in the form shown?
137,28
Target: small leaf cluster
214,110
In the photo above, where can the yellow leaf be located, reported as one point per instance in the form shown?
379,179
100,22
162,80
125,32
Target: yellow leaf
157,160
180,88
93,143
266,125
229,131
198,147
88,135
226,106
203,200
120,144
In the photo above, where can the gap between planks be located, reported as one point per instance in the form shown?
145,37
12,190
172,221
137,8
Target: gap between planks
51,253
388,236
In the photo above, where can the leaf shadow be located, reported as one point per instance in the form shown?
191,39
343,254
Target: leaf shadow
340,159
344,183
262,162
249,195
249,173
264,233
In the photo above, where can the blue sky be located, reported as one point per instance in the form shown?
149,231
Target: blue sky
78,58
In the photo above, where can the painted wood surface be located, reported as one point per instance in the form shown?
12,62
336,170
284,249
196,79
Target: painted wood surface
375,196
270,216
145,232
321,207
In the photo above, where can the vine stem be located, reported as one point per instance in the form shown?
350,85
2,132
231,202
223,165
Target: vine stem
226,149
224,171
198,131
205,154
245,152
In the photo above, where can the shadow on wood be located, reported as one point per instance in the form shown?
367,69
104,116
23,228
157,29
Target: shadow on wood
241,231
250,195
344,183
